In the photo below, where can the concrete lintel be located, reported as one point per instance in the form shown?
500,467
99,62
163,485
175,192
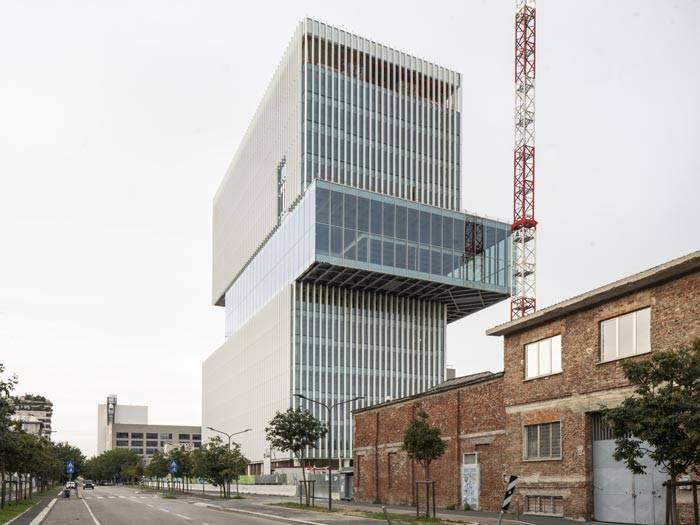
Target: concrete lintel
591,402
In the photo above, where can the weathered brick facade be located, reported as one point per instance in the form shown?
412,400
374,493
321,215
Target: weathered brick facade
471,418
504,406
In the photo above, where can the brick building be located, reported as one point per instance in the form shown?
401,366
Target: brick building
382,472
562,368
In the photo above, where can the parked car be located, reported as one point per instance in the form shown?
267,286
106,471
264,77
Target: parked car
88,485
70,485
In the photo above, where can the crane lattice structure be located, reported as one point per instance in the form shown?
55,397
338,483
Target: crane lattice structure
524,223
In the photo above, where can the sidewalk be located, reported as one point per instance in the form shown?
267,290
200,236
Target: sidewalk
265,505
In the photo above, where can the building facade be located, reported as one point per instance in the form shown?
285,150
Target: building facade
339,249
34,412
562,369
126,426
471,470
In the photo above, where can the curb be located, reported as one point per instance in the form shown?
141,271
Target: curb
31,508
259,514
45,511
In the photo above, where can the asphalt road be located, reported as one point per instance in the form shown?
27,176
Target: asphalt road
122,506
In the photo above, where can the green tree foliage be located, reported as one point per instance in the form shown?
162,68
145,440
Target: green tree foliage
661,418
235,464
183,458
65,453
119,464
293,431
26,455
422,442
218,464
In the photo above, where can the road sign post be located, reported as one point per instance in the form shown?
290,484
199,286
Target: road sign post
69,470
511,483
173,471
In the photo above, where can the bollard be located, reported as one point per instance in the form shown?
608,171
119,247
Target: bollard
386,515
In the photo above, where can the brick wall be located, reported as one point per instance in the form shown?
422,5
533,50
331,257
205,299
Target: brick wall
585,385
489,417
471,419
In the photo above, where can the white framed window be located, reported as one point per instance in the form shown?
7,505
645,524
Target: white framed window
470,458
543,441
625,335
543,358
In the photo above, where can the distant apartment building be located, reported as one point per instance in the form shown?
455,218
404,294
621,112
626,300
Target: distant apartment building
340,249
126,426
34,412
541,418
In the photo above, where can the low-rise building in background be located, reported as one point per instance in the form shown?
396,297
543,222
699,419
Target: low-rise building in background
34,412
126,426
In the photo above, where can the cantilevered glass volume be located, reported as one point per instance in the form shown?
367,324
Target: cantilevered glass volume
340,251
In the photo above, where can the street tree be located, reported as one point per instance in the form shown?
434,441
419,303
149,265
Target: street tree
422,442
158,467
183,458
114,465
661,419
210,462
64,453
7,385
293,431
235,464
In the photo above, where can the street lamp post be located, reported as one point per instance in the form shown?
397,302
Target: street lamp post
229,436
329,415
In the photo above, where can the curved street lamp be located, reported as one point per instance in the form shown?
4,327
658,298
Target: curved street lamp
329,412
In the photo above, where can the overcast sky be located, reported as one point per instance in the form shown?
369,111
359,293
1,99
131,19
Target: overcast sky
118,121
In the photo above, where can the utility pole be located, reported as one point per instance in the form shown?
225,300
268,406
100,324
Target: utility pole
229,436
329,416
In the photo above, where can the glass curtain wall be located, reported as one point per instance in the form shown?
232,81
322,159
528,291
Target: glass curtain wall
286,253
376,124
381,233
351,343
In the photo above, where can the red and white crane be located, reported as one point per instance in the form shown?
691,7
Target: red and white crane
524,224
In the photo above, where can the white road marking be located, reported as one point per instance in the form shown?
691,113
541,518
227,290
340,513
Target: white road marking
183,516
164,510
149,505
40,517
91,514
100,497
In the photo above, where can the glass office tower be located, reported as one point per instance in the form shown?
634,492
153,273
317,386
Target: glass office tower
340,251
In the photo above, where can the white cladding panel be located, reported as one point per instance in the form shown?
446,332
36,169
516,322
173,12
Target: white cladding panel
248,378
101,428
131,415
245,206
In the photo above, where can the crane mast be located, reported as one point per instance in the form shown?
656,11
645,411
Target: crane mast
524,224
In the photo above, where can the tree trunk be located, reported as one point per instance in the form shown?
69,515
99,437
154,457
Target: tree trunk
305,485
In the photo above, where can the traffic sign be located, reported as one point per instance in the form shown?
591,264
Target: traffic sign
512,481
70,468
173,466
